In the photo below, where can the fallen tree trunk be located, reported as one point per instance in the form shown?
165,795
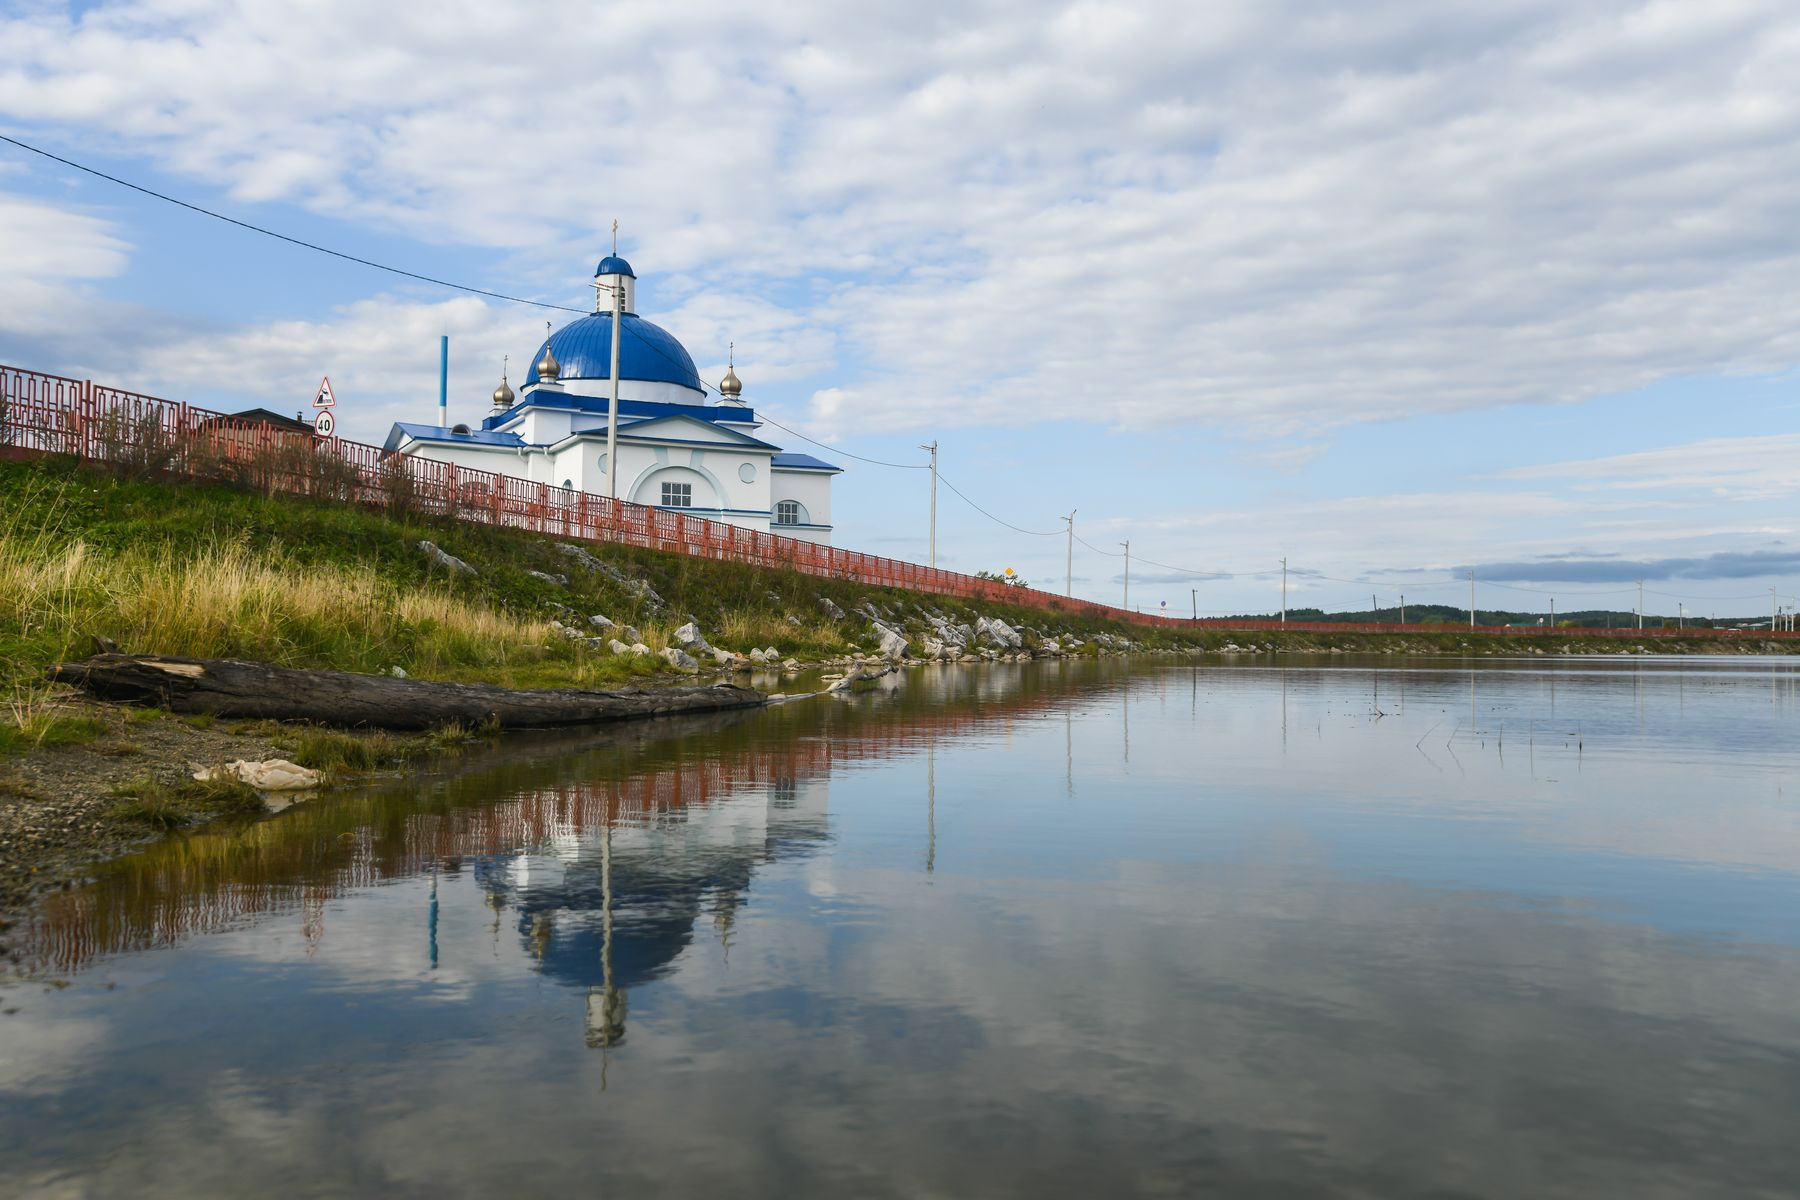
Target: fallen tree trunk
229,688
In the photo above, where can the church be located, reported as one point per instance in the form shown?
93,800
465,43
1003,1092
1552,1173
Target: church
672,448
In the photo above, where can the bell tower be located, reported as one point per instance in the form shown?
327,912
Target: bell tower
614,272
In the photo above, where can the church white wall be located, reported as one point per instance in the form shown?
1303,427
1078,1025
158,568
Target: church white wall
746,501
715,473
647,489
477,458
813,490
570,468
541,427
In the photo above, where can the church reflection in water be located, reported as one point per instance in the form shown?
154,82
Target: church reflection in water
607,852
610,889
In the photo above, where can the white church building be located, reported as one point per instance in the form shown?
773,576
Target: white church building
674,449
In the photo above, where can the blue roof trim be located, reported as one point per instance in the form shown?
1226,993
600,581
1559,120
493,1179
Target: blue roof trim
442,433
612,264
801,462
627,408
646,352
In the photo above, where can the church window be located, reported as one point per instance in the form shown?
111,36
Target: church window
787,512
678,495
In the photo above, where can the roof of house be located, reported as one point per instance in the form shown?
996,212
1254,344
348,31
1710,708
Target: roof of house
787,460
451,434
264,416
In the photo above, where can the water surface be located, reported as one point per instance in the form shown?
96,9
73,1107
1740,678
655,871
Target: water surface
1335,928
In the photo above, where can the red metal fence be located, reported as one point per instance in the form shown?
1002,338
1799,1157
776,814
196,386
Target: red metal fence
50,414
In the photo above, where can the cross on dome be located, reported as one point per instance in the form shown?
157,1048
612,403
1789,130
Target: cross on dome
547,367
731,387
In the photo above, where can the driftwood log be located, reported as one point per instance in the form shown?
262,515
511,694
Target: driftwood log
229,688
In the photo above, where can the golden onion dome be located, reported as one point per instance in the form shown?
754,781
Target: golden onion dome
547,366
503,395
731,385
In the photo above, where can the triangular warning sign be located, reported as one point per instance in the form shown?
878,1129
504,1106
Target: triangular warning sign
324,399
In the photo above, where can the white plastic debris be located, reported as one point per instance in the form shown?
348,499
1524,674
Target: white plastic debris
268,775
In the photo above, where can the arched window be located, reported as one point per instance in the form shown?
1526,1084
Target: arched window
675,487
789,512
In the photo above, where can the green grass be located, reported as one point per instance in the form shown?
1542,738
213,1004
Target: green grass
216,571
212,572
164,806
31,721
334,750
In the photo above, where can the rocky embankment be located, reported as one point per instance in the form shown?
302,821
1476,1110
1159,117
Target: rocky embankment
895,633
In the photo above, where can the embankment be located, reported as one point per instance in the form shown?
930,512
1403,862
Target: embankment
90,560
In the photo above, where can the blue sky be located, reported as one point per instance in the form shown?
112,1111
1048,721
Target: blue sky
1391,290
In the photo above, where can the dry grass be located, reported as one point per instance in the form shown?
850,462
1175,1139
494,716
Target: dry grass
170,806
31,718
223,599
745,629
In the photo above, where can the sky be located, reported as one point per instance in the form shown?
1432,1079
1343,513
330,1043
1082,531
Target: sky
1394,291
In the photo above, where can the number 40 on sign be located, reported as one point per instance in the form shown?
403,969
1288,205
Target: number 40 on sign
324,401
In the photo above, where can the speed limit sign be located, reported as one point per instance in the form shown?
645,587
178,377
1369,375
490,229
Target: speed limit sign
323,423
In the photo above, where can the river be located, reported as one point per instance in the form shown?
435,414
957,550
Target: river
1331,927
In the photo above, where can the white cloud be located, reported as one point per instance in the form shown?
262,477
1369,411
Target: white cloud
50,252
1272,217
1743,468
381,355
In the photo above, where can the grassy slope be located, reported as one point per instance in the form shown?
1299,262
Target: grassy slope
212,571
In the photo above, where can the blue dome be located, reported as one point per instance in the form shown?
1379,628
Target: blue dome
646,352
612,264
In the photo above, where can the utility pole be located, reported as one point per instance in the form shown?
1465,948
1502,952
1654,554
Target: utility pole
1553,612
1403,608
1194,594
1069,587
1471,597
933,448
1284,591
1127,546
612,410
1680,615
1640,604
1374,613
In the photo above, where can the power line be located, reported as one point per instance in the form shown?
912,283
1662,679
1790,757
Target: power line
511,299
282,237
463,287
1098,550
1513,587
840,450
990,516
1685,596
